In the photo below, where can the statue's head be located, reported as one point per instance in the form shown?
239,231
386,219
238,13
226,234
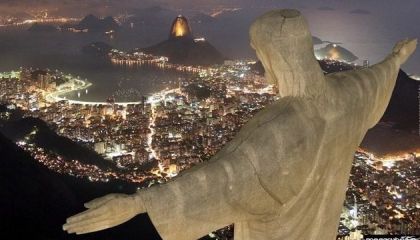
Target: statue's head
284,45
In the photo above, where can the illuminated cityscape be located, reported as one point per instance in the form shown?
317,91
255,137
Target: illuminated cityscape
126,128
174,129
40,16
166,126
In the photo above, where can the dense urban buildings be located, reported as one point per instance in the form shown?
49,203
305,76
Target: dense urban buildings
140,135
152,140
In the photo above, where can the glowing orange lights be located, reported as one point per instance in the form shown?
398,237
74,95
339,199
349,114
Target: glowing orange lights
180,27
334,54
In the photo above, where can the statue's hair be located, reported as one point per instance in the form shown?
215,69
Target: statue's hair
284,45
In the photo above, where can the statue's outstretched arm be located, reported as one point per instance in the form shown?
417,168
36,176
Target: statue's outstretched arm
203,199
104,212
385,75
376,83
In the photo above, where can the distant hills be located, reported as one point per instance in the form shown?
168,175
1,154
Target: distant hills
336,52
92,23
187,51
182,48
35,202
16,129
403,108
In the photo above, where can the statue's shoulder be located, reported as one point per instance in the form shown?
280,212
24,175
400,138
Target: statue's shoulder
352,89
288,111
349,78
283,121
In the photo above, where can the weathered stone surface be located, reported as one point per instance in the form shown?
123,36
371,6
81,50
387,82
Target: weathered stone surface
285,174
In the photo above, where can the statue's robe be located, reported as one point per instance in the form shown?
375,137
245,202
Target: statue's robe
285,174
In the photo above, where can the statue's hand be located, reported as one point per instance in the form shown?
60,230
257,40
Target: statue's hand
105,212
403,49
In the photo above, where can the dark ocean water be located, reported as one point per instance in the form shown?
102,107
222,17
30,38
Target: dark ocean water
62,51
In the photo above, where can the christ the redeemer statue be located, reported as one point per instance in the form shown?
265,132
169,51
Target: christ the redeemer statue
285,174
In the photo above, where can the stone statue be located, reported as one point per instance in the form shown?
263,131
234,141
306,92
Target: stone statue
285,174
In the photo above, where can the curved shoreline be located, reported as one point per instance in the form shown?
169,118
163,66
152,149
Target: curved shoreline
56,96
82,85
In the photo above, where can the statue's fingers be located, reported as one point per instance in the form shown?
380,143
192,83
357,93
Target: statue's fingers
413,43
77,226
74,226
408,49
414,40
99,201
88,214
399,45
87,227
101,225
92,229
